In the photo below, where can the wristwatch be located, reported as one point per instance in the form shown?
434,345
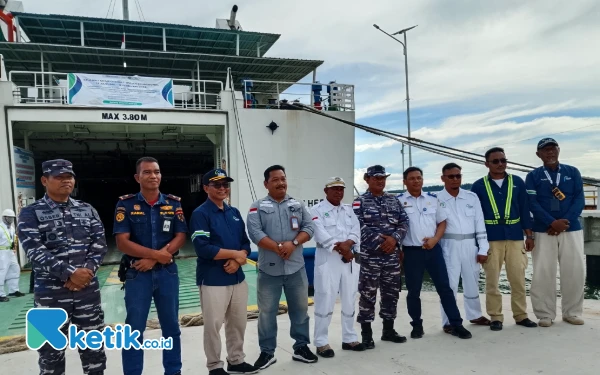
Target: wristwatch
531,237
295,242
280,245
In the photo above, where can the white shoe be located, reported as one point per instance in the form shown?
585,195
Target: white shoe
573,320
545,322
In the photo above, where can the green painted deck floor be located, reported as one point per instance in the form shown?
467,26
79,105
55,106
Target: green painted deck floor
12,313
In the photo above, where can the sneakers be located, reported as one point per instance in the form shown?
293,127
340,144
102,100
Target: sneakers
218,371
265,360
527,323
545,322
17,294
496,325
241,368
573,320
303,354
461,332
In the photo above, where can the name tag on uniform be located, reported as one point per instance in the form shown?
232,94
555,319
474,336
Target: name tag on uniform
295,223
167,226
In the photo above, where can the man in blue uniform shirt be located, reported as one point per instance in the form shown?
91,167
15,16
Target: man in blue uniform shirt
150,227
64,239
556,195
505,208
220,240
421,251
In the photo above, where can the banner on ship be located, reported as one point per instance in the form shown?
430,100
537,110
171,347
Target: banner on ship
25,171
120,91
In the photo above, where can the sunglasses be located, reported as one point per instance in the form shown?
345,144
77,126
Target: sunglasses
498,161
218,185
453,176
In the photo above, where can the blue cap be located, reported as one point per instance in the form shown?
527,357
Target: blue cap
215,175
57,167
545,142
376,170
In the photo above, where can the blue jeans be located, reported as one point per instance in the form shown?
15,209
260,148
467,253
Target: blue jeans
162,284
295,287
416,261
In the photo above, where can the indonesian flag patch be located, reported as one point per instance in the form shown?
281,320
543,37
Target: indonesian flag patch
253,210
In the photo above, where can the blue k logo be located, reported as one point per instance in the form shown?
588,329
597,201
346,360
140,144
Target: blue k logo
43,326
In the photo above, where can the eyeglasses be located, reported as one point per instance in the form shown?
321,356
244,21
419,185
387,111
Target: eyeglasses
498,161
453,176
218,185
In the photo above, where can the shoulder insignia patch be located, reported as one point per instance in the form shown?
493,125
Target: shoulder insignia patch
123,197
432,194
174,197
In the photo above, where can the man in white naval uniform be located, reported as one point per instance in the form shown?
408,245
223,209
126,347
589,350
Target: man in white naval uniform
464,244
337,230
9,266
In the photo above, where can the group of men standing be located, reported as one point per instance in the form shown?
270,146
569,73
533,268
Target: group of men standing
360,248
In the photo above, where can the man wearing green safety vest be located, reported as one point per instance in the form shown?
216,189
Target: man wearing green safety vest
505,207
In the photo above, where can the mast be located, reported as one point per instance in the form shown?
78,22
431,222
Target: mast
126,10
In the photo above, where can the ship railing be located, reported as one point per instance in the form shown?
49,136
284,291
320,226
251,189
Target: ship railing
277,94
51,88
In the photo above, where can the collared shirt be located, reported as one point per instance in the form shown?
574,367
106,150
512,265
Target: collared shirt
268,218
519,208
379,215
423,216
214,229
58,238
334,224
149,226
540,194
464,217
7,236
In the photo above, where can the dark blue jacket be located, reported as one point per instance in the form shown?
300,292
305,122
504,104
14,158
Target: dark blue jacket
149,226
519,208
214,229
540,194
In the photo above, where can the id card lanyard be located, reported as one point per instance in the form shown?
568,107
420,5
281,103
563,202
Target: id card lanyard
554,202
550,179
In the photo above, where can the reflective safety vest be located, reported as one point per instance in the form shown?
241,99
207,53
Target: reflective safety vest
497,219
7,238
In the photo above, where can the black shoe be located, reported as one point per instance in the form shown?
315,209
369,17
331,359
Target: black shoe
265,360
303,354
357,347
241,368
461,332
96,373
527,323
4,299
496,325
389,334
17,294
325,352
367,336
447,328
417,332
218,371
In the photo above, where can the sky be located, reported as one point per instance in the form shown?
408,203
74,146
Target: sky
481,73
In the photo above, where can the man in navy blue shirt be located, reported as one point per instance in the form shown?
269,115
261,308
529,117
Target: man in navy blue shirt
556,195
150,227
220,240
505,207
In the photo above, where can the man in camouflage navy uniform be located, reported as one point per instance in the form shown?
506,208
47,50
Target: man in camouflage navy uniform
384,225
64,239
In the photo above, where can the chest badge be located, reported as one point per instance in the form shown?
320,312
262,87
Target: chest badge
167,226
136,207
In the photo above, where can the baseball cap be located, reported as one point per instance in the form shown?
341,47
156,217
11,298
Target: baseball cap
57,167
335,181
545,142
376,170
215,175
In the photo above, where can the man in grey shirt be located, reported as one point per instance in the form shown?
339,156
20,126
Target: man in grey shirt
279,225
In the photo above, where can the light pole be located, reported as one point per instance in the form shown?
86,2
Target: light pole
403,31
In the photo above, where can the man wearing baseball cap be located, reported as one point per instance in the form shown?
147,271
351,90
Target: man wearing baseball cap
384,224
220,240
64,239
337,232
556,195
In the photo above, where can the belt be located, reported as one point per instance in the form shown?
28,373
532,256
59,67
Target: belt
459,237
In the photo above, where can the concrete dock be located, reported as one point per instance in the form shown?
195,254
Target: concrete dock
560,349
